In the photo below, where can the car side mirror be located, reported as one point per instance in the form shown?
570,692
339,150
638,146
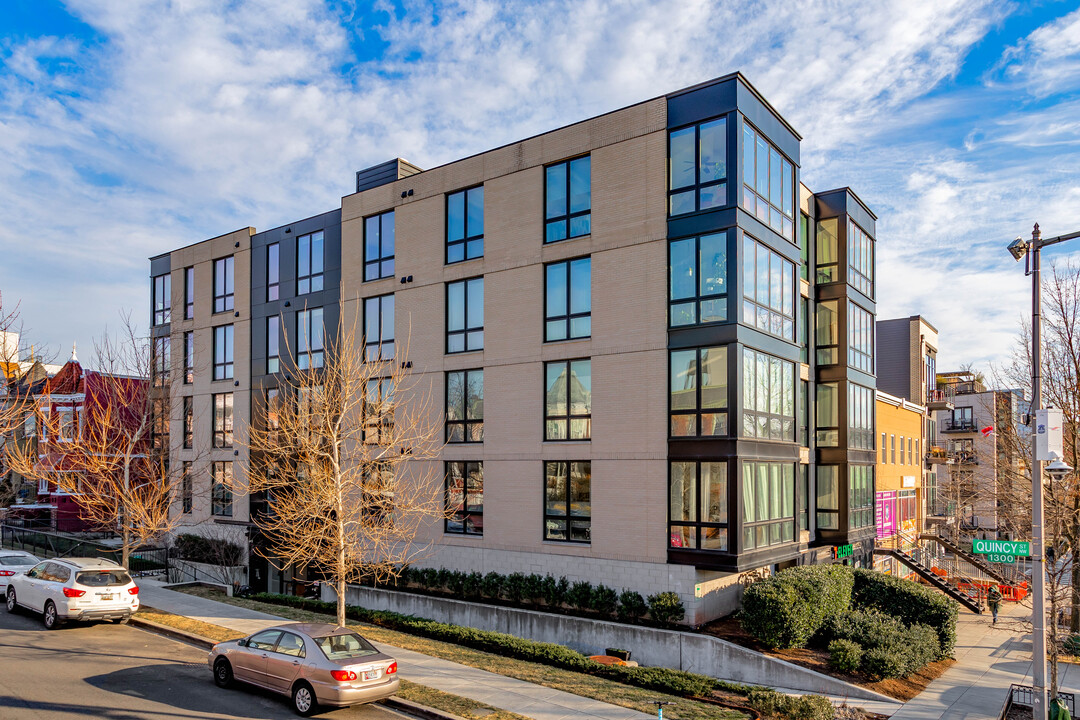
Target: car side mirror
242,642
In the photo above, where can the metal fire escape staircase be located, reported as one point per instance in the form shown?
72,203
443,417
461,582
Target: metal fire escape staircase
969,558
953,576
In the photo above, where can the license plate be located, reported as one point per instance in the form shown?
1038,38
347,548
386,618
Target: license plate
105,597
371,674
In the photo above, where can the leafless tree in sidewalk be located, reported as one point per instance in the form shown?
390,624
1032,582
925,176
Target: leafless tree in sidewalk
346,459
110,449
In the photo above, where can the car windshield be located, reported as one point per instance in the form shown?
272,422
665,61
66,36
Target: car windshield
345,647
102,578
16,560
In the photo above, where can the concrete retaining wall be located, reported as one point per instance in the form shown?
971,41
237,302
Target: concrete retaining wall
694,652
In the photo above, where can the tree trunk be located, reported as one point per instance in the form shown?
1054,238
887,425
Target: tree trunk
125,552
1074,614
340,602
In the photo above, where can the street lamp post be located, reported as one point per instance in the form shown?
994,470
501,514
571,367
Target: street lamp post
1021,248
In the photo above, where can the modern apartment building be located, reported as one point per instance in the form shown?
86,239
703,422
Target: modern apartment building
655,345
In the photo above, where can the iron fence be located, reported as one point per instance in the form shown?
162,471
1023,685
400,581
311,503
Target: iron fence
1023,696
141,561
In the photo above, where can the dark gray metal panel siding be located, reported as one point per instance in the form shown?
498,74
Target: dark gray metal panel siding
160,265
384,173
894,357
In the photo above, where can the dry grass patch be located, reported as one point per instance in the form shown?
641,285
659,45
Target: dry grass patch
196,627
454,704
556,678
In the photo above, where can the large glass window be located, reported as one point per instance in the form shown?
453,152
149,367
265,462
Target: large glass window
273,271
186,490
379,328
768,397
465,498
273,344
567,501
309,263
162,361
568,300
568,400
189,422
828,497
465,225
379,246
223,420
768,183
223,352
804,246
698,386
465,315
189,358
189,293
861,496
698,167
221,494
162,287
768,290
465,406
828,415
768,504
309,339
860,338
379,411
698,274
698,506
860,417
860,260
827,332
826,256
568,199
224,287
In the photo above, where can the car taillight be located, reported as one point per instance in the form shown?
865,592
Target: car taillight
391,668
72,592
6,573
342,675
133,590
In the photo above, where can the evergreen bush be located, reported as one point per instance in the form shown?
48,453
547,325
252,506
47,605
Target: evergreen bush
911,602
491,585
845,655
666,608
514,587
604,601
580,596
632,606
787,609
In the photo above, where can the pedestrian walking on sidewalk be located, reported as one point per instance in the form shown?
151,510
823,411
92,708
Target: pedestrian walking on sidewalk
993,599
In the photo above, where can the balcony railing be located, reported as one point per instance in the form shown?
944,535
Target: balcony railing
959,425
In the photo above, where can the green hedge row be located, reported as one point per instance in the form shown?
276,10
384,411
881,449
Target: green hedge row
911,602
545,592
787,609
196,548
889,648
674,682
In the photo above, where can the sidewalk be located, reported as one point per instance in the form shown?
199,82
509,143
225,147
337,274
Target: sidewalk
518,696
989,658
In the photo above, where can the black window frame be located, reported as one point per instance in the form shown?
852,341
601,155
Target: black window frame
697,412
189,357
273,344
189,422
697,186
224,338
697,523
379,261
698,297
568,517
466,330
222,419
307,357
566,218
751,195
783,524
570,416
225,297
189,292
221,494
783,316
162,353
186,488
312,278
161,303
472,429
786,424
378,347
467,241
273,272
466,514
569,316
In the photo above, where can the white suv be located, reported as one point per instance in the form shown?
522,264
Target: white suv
74,589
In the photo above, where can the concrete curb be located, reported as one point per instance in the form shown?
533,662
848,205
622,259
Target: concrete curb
416,709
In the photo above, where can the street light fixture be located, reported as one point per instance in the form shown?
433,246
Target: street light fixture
1057,469
1029,249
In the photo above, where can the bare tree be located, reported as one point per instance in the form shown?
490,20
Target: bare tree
109,448
345,457
13,401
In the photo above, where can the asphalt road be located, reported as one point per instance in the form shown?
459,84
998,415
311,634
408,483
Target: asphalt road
117,672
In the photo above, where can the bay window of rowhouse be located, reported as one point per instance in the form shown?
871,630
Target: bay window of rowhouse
768,397
698,506
768,504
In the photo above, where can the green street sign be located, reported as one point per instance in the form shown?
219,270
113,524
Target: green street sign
994,557
1001,547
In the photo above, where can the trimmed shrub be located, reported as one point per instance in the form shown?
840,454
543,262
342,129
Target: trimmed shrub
911,602
456,583
429,578
442,578
580,596
604,600
845,655
534,588
514,587
772,704
787,609
555,591
632,606
666,608
491,585
892,649
471,586
196,548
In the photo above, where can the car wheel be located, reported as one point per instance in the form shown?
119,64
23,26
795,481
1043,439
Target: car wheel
49,617
223,676
303,699
11,600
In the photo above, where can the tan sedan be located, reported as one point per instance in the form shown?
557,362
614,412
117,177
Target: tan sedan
312,663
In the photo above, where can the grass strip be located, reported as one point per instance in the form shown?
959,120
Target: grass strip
216,633
571,681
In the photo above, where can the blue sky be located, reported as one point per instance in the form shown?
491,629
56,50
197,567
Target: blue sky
130,127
